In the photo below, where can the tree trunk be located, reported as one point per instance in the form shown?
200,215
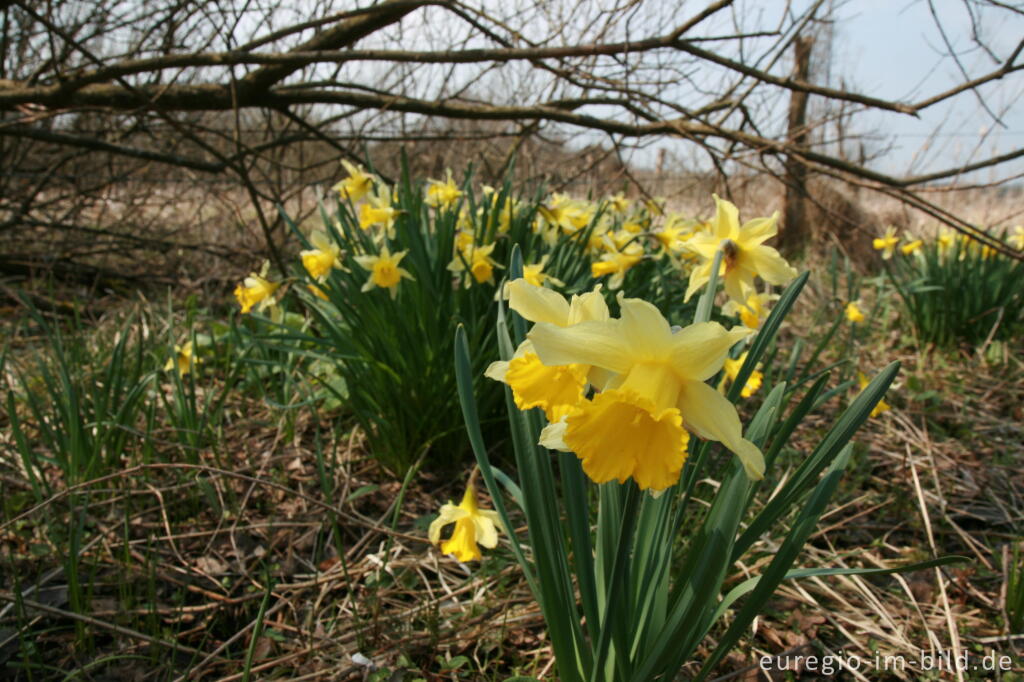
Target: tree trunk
795,231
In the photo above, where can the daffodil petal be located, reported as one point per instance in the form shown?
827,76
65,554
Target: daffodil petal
486,532
552,436
587,343
588,306
727,218
770,265
645,328
537,304
711,416
700,349
699,277
448,513
497,370
759,230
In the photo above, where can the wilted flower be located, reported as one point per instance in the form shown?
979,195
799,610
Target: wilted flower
473,527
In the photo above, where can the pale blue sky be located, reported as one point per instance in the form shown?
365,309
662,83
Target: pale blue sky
895,50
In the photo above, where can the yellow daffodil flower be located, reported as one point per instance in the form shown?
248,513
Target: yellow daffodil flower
443,195
886,243
502,214
478,258
378,212
639,425
464,240
473,527
566,214
385,271
745,255
946,240
182,359
324,255
674,235
751,313
1017,238
911,246
853,313
534,274
256,290
555,389
732,370
616,263
618,203
356,185
882,406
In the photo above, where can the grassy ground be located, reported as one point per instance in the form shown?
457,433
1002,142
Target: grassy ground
237,528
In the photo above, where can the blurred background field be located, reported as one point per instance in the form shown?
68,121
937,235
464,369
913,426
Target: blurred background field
263,515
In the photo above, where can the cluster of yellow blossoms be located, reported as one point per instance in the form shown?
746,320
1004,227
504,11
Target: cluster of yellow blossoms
625,394
946,240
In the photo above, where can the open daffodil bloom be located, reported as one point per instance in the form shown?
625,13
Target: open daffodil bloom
356,185
256,290
746,256
385,271
473,527
753,312
182,360
886,243
324,255
638,425
555,389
